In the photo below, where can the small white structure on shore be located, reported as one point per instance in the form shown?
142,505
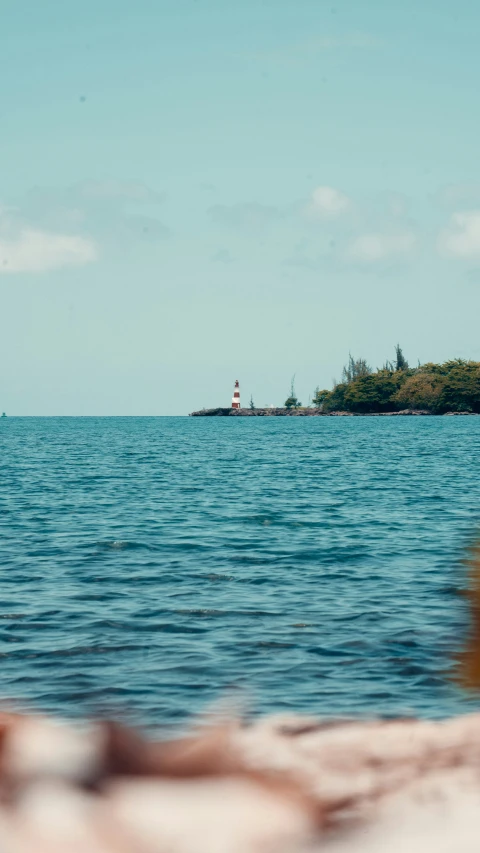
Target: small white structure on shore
236,396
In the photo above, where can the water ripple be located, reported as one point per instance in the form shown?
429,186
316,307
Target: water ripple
152,563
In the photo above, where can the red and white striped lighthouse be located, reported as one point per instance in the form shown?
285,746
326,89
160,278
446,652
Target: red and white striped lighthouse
236,396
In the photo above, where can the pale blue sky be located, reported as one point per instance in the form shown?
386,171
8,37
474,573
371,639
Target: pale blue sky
198,190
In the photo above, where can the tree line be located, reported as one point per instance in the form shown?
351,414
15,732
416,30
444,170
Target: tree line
453,386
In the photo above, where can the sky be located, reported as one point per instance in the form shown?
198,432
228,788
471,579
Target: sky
195,191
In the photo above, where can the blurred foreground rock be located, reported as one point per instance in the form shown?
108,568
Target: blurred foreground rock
276,786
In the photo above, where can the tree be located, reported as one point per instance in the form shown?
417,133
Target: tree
422,390
461,386
292,402
453,386
372,393
319,397
334,401
356,367
401,362
252,404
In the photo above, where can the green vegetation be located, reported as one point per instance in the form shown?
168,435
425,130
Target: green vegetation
292,402
438,388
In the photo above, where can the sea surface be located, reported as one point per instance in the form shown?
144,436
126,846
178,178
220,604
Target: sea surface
152,566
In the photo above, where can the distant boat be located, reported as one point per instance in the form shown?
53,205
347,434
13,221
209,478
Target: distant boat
4,415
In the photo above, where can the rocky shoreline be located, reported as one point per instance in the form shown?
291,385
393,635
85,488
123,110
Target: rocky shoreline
280,784
302,413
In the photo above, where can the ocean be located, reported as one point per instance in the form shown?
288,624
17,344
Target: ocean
152,566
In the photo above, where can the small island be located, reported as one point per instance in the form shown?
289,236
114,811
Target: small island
450,388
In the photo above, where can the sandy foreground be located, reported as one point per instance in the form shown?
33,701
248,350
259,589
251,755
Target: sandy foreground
279,785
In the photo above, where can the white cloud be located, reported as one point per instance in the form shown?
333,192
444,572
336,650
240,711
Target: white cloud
107,210
395,204
32,250
301,51
455,196
329,202
250,217
374,247
117,191
348,40
223,256
461,239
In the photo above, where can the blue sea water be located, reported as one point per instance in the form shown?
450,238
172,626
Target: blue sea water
151,565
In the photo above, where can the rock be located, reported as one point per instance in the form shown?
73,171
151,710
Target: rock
282,785
299,413
207,413
411,412
249,413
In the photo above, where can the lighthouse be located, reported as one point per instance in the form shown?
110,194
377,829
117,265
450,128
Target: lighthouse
236,396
